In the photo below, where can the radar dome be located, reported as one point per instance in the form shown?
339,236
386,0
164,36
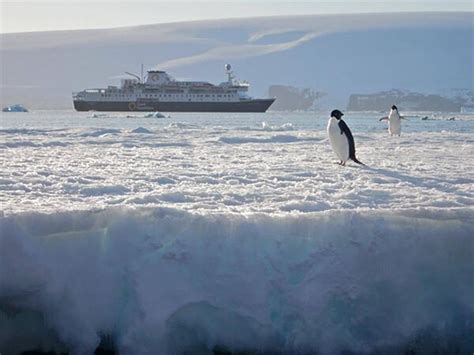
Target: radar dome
228,67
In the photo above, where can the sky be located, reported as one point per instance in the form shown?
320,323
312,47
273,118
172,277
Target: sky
40,15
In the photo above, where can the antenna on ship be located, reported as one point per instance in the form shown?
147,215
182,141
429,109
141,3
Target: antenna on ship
228,71
142,74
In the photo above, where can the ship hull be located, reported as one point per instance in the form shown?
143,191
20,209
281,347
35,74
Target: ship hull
255,105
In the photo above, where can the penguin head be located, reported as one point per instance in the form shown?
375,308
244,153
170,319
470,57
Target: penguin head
337,114
394,108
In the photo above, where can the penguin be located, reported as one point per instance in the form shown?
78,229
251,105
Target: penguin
341,138
394,121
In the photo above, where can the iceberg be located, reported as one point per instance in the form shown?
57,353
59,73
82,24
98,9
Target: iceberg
156,115
14,108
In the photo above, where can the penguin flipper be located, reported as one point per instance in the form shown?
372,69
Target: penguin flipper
383,118
350,139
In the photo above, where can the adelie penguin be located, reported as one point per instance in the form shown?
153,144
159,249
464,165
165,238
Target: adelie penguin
394,121
341,138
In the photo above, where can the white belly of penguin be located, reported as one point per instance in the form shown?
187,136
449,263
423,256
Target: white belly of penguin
394,125
339,142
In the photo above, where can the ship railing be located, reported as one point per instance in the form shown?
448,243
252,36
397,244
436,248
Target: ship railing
77,95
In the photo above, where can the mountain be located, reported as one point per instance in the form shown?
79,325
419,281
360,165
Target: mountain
336,54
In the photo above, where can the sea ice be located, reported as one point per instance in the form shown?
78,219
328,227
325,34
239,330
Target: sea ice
193,238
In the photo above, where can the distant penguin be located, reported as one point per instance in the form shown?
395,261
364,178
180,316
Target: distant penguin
394,121
341,138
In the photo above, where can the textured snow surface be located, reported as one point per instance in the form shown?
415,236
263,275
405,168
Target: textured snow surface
157,280
269,167
180,235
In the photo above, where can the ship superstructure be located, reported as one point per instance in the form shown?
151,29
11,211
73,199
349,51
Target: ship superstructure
160,92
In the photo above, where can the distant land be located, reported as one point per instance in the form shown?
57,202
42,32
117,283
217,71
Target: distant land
337,54
455,101
289,98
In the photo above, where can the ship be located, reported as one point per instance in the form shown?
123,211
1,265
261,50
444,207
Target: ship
158,91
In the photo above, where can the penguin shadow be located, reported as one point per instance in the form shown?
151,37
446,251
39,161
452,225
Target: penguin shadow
352,165
426,182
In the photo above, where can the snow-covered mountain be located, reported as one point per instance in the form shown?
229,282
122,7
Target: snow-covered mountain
337,54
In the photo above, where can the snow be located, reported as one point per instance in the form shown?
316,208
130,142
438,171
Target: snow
141,130
272,167
197,233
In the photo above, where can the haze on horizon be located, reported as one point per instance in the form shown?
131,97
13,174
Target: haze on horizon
40,15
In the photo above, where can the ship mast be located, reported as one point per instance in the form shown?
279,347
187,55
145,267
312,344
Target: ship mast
230,74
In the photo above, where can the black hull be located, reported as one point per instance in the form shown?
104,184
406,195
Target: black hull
257,105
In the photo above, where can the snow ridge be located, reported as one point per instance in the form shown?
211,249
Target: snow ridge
159,280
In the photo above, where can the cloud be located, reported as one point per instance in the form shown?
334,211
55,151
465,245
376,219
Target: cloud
237,51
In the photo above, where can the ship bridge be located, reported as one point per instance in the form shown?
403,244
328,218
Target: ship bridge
157,77
232,82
